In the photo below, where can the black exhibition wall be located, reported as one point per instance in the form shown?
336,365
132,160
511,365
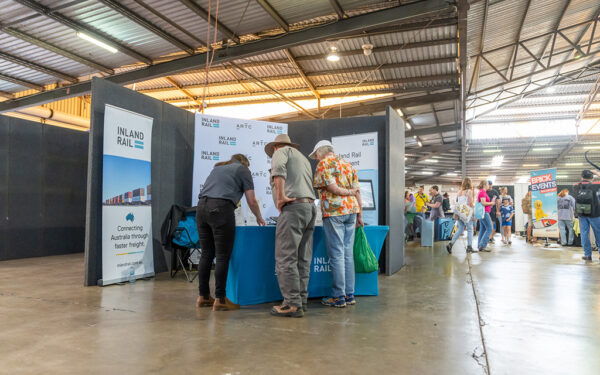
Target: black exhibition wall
308,133
43,172
172,164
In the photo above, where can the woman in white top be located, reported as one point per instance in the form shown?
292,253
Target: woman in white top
466,196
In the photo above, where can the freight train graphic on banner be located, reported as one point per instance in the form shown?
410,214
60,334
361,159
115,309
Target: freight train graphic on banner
137,197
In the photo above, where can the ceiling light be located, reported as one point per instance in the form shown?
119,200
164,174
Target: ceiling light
426,172
400,112
333,55
408,126
96,42
430,160
591,147
542,149
574,164
420,144
561,176
497,160
451,174
490,151
531,165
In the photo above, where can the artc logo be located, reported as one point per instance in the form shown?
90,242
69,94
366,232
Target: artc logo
368,142
228,141
259,143
209,155
275,129
130,138
243,126
211,122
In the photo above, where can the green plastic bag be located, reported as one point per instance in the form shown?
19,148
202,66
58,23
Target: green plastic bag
364,259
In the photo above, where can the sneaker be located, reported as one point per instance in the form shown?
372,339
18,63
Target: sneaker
449,248
470,249
486,250
492,240
350,300
334,302
509,242
586,258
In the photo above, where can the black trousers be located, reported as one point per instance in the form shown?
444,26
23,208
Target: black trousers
216,227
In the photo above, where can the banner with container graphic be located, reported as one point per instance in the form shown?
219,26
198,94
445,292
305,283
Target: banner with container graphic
126,196
361,151
544,210
218,138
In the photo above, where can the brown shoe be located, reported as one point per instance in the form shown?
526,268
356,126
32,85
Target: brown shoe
204,301
224,304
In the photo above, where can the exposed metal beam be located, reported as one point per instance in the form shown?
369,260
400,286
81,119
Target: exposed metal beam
53,48
274,14
399,81
170,22
513,56
6,95
420,178
54,73
432,130
435,148
442,60
184,91
128,13
309,35
564,152
275,92
302,75
21,82
427,156
463,9
96,34
400,28
194,7
337,8
551,38
477,70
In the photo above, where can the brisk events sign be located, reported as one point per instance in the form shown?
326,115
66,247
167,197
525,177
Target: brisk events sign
544,203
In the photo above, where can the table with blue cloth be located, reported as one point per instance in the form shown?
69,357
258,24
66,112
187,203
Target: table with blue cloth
252,279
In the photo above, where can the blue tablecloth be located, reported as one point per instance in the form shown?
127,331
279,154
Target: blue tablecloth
252,280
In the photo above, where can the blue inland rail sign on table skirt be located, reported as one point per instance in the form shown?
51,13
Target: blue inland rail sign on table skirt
252,279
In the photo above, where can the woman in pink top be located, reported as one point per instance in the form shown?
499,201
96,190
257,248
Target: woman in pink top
485,224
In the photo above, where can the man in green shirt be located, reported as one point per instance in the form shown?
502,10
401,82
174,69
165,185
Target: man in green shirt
292,189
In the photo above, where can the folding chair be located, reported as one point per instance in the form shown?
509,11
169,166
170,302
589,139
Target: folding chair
186,242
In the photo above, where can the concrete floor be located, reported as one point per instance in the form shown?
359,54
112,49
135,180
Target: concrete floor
540,314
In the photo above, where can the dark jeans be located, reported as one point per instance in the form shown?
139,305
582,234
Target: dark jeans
216,227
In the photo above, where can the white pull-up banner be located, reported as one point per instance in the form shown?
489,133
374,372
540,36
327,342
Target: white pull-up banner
126,196
218,138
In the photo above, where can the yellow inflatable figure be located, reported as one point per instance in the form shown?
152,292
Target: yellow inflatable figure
539,213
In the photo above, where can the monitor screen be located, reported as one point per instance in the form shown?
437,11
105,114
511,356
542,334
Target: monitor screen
367,194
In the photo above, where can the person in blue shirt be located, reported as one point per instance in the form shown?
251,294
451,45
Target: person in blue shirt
507,212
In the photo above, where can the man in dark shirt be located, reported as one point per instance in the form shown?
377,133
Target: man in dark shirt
494,196
435,203
446,203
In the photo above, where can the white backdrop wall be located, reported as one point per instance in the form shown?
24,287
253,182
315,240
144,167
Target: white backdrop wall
218,138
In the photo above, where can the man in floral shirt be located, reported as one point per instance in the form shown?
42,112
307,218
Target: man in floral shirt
339,194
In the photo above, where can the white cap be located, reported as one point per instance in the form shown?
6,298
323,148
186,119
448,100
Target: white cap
313,154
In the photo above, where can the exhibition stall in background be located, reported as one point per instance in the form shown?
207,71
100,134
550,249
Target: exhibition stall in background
172,167
42,189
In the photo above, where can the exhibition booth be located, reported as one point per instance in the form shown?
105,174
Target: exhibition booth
146,155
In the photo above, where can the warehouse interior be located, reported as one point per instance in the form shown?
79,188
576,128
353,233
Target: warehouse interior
489,89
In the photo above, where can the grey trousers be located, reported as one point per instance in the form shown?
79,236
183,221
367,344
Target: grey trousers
293,251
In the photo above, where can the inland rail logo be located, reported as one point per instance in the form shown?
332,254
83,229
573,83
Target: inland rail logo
130,138
211,122
228,141
209,155
368,142
274,129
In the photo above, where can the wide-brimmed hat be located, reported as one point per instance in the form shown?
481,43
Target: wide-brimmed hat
323,143
280,140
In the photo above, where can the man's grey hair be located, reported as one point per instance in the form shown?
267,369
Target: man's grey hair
324,150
